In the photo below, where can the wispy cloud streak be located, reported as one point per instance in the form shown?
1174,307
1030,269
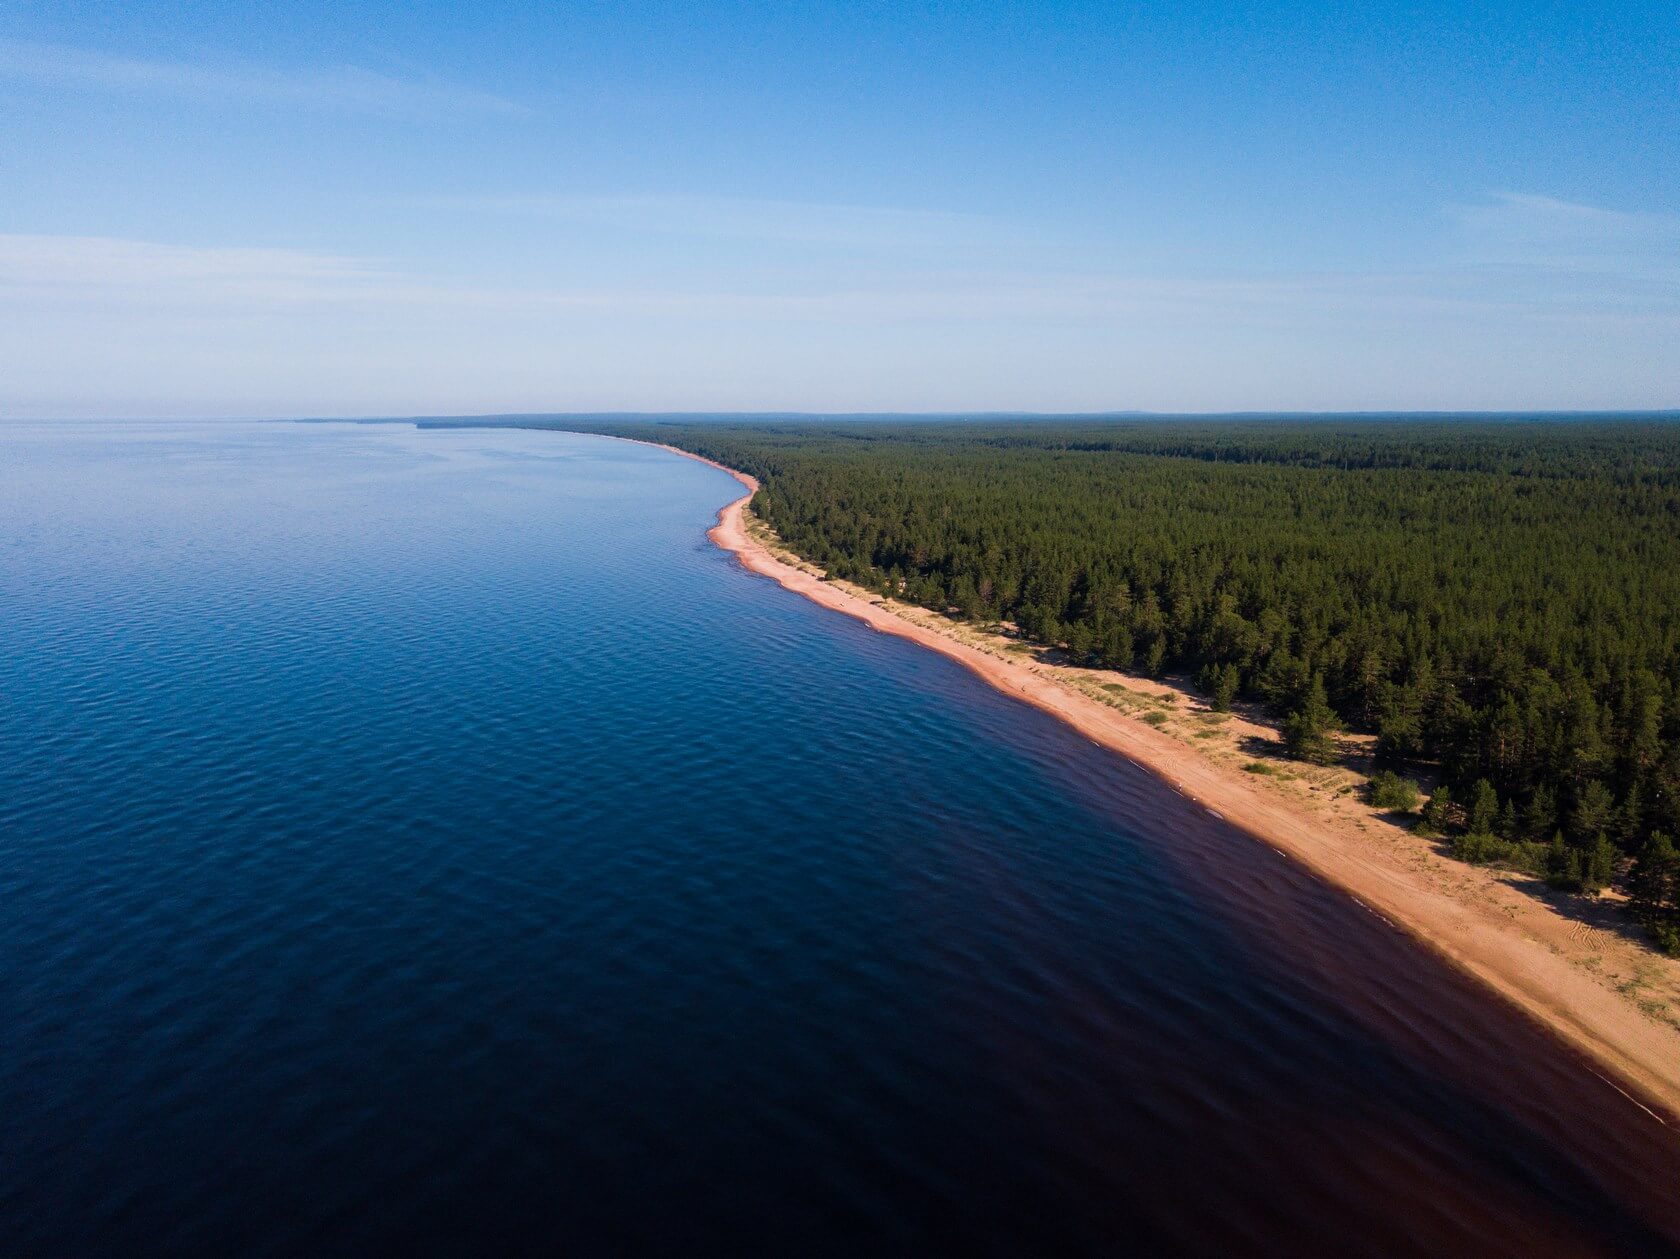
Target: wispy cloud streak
744,218
334,87
1544,233
107,274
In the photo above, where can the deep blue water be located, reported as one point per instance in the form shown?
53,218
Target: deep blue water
428,842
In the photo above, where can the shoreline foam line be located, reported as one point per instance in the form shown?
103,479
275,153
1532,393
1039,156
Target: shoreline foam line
1593,1021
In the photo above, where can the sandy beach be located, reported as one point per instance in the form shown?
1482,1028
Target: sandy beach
1586,977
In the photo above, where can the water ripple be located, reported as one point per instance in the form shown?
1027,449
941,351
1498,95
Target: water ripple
425,842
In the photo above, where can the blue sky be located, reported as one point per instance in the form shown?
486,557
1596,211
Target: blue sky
369,209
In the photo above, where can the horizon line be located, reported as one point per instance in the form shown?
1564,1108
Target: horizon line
1559,413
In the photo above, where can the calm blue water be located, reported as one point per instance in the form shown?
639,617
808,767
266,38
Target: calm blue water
426,841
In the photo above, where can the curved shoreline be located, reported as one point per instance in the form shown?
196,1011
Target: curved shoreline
1598,1023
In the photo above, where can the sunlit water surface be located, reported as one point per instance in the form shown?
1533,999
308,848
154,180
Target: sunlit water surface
428,842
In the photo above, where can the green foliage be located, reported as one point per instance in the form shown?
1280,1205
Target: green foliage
1478,848
1438,813
1540,817
1526,855
1307,732
1155,658
1491,850
1654,890
1506,826
1563,865
1598,864
1594,811
1483,812
1221,682
1393,793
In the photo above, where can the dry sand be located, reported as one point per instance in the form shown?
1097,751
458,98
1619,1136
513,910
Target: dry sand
1575,967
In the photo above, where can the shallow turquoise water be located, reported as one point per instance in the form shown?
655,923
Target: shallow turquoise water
428,840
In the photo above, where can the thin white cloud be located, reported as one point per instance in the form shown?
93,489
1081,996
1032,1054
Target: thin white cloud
80,260
1527,230
1516,318
746,218
333,87
104,274
106,271
92,325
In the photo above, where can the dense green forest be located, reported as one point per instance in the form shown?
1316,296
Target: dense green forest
1498,601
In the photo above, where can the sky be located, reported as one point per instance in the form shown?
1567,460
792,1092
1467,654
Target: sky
373,209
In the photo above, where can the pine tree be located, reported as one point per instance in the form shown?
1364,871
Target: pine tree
1598,865
1437,814
1630,818
1080,642
1654,890
966,596
1594,810
1506,827
1563,865
1155,659
1225,682
1540,818
1308,732
1117,648
1484,808
1399,736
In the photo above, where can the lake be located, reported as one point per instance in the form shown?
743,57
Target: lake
427,842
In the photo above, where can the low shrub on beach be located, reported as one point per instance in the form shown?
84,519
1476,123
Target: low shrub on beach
1392,793
1488,850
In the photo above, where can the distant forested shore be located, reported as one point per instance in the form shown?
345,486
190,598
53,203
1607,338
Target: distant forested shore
1497,601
